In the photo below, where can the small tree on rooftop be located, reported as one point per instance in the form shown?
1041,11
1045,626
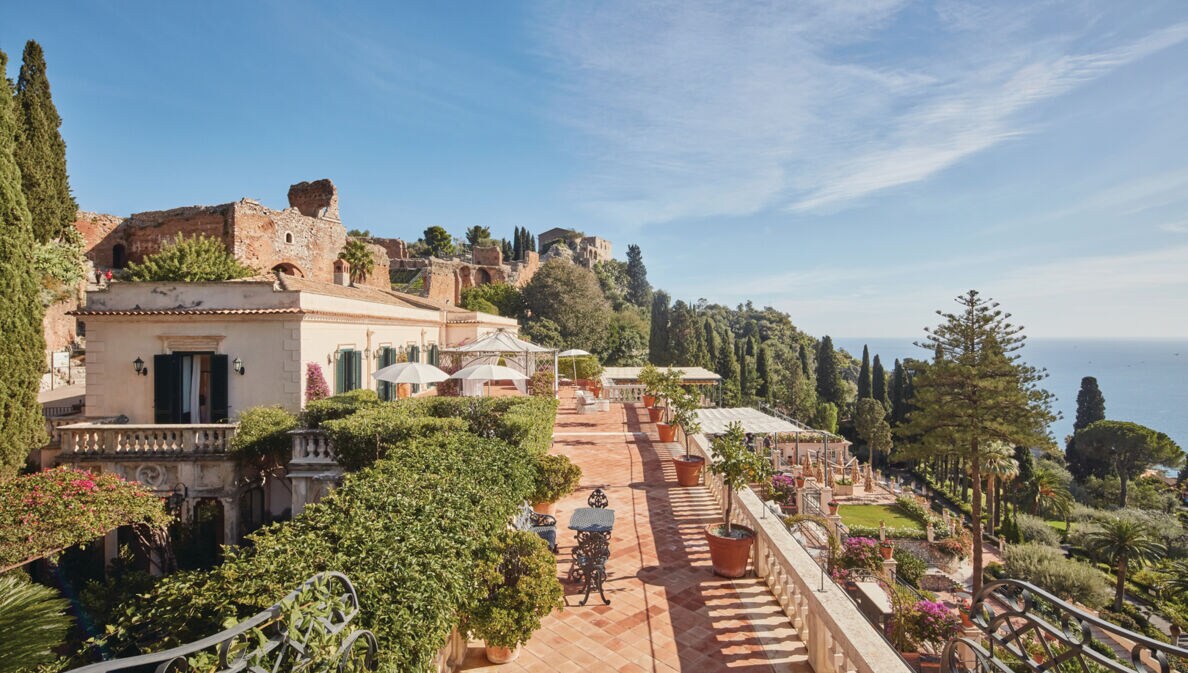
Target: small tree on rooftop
189,260
737,465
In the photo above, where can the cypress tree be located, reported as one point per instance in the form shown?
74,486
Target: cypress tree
745,384
763,375
1090,409
505,249
804,362
531,241
898,391
864,374
40,151
639,290
711,342
658,342
22,348
1090,404
517,245
878,381
829,383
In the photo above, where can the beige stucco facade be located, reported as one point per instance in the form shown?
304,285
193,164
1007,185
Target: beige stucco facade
275,327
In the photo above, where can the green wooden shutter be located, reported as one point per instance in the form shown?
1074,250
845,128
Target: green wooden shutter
382,388
356,370
414,355
219,408
166,388
340,372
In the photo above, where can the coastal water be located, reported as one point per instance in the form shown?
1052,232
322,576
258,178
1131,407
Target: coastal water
1144,381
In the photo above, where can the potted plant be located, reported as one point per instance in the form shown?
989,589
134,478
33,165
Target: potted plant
670,390
684,415
833,505
730,545
783,491
556,477
843,486
919,627
886,549
517,588
649,377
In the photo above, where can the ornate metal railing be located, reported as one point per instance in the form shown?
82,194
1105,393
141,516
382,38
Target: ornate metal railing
306,631
92,439
1023,627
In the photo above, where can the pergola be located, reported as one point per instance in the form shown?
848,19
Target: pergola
755,422
690,376
516,353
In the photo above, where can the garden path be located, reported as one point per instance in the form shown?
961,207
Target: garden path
668,611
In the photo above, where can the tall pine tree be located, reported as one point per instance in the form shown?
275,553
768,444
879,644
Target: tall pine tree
639,291
22,348
898,394
805,368
878,382
658,341
829,381
864,374
40,151
686,347
727,368
517,245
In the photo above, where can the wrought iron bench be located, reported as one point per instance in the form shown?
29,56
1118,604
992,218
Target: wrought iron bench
542,524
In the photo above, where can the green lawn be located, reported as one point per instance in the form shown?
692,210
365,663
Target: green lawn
1058,525
871,515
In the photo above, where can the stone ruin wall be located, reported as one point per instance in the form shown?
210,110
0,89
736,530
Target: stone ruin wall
446,278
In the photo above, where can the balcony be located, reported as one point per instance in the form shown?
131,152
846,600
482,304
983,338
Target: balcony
80,441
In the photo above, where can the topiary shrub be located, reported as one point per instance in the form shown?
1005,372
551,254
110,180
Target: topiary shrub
372,432
340,406
556,477
519,576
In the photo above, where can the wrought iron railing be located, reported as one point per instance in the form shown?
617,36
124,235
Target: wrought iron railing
297,633
1023,627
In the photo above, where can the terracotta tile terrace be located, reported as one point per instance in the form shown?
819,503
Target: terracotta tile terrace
668,611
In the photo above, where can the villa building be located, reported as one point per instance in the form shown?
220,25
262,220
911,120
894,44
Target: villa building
172,365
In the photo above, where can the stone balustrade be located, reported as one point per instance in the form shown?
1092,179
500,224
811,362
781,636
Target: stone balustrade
105,439
311,447
628,393
838,637
313,469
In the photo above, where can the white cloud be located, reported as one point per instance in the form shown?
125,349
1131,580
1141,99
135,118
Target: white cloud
723,108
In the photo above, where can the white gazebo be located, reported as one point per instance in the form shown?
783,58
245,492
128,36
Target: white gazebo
523,356
799,440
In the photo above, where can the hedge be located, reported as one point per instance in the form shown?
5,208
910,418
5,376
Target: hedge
407,531
1047,568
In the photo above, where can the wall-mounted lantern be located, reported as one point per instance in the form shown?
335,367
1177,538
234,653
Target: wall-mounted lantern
177,499
237,364
138,365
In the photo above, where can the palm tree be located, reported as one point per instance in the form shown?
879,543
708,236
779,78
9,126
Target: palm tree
33,623
358,256
1176,583
1000,467
1123,542
1049,493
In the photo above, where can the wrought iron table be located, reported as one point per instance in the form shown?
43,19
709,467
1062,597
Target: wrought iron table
592,520
593,526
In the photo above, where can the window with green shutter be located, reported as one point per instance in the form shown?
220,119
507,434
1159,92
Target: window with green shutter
348,370
387,356
414,355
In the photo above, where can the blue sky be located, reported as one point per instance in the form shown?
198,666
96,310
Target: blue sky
857,164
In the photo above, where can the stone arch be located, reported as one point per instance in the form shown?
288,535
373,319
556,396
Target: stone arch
482,276
119,256
288,269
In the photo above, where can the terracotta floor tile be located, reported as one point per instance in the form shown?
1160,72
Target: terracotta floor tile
668,612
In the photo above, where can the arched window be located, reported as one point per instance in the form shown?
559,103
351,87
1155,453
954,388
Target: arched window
288,269
288,237
119,256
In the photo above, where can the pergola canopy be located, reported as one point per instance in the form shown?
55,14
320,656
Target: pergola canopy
715,421
500,341
689,375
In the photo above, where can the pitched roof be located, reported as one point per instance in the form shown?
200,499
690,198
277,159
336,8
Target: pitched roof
184,311
364,293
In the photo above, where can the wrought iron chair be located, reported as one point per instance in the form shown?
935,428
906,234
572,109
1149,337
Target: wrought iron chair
589,563
542,524
598,499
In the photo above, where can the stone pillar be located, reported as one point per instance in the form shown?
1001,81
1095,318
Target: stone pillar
826,498
111,548
833,522
889,566
800,500
930,532
230,521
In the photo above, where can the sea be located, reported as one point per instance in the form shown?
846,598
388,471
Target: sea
1142,380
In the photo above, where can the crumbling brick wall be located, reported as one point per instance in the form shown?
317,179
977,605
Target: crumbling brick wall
318,198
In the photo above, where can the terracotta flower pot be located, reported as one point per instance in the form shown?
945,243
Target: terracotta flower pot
688,471
655,414
800,481
832,509
912,658
502,655
729,555
887,550
649,401
549,508
667,432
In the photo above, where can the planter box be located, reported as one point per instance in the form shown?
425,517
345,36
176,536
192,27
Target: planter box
843,489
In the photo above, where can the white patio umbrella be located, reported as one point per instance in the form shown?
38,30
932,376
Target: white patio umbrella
573,353
488,373
418,373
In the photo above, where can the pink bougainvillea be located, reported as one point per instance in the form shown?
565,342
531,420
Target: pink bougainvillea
48,511
316,387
